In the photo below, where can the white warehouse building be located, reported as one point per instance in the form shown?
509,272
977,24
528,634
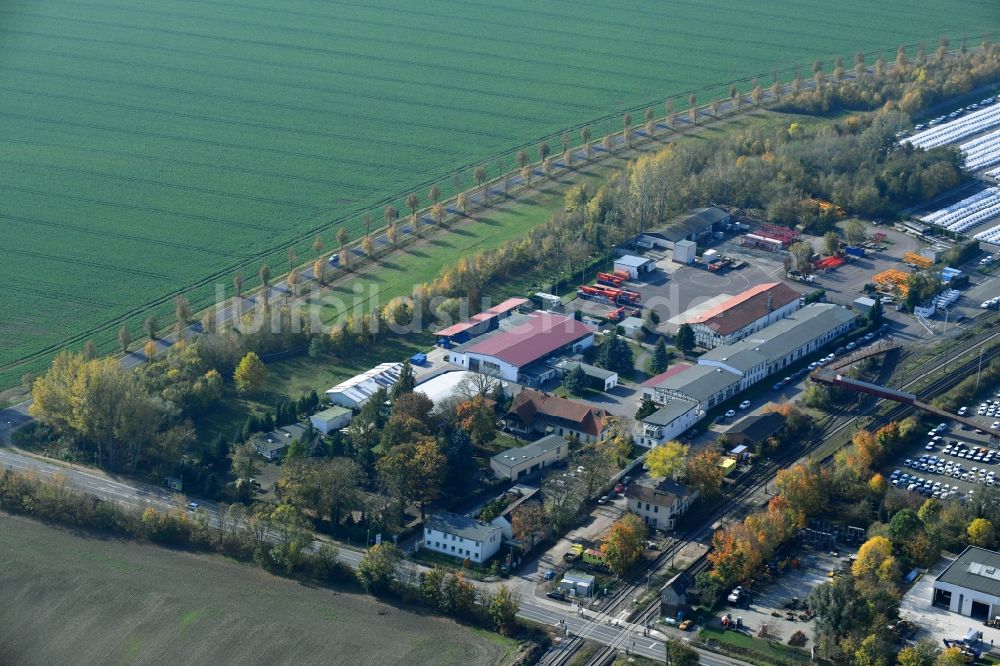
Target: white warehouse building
970,585
354,392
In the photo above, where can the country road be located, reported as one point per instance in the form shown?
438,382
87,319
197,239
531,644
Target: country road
131,493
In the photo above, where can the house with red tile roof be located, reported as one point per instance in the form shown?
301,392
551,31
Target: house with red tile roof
741,315
535,412
522,341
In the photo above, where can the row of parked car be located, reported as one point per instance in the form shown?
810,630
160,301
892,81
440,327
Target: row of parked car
925,487
955,114
826,360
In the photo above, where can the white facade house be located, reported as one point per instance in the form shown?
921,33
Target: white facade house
524,460
970,585
354,392
521,341
667,423
331,419
659,506
462,537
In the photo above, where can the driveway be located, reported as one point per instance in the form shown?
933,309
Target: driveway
936,623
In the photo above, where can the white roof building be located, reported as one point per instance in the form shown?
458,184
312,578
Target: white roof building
443,386
354,392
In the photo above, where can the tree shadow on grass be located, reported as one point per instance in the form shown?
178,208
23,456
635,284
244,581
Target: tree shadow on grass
437,242
461,232
488,221
415,252
384,263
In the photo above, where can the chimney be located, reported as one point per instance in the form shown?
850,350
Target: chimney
770,301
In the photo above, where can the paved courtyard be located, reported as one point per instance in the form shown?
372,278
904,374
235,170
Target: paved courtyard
936,623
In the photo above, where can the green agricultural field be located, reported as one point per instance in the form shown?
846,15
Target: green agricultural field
87,599
152,148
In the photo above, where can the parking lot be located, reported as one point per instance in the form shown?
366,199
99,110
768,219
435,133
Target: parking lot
950,463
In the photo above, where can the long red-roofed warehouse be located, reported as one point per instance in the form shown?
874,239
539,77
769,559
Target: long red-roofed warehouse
521,341
738,316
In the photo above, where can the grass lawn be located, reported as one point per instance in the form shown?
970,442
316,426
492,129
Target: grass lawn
395,274
759,651
293,377
118,602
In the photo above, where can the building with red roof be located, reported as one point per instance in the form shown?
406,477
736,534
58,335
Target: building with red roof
534,411
521,341
744,314
486,320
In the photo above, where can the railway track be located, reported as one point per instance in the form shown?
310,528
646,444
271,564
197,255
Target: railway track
764,474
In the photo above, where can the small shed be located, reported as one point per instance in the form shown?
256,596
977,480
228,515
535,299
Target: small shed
633,265
863,304
728,466
741,452
631,327
578,583
685,251
331,419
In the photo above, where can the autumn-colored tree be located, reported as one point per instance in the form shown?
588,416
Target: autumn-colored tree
502,609
238,283
413,471
319,270
865,453
317,244
872,554
250,375
392,235
437,213
981,533
342,237
368,246
804,486
704,473
434,194
951,656
149,349
877,485
624,543
462,202
667,459
477,418
735,554
528,523
585,135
